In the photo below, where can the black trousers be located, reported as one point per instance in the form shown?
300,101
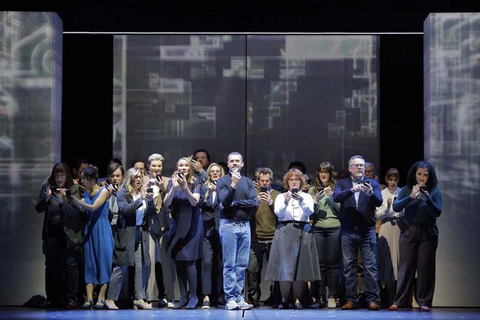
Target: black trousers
53,248
418,247
328,246
212,266
62,267
258,250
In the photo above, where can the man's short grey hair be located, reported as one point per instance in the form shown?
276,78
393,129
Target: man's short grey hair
234,153
355,157
155,157
266,170
370,164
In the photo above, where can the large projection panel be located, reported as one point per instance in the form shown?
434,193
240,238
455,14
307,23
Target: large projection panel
30,124
313,99
452,143
176,93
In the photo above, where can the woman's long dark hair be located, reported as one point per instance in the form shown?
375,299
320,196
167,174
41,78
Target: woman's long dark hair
61,168
329,168
432,176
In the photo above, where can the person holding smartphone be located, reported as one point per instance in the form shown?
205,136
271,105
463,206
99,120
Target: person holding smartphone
326,229
212,249
135,208
98,247
184,197
62,237
115,173
262,225
421,201
162,268
358,196
294,257
200,161
237,200
389,236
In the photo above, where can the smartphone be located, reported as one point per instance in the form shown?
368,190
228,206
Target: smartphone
367,183
263,189
149,190
295,190
214,182
320,189
68,192
158,177
53,189
180,175
115,186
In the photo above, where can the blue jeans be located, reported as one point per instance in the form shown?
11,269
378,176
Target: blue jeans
235,238
352,241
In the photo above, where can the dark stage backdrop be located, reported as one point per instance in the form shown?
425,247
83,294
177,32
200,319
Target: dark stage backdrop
274,98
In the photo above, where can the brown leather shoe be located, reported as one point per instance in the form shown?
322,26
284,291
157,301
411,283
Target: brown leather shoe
372,305
393,307
349,305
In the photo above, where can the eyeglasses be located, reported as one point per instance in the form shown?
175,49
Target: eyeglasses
358,165
294,180
60,175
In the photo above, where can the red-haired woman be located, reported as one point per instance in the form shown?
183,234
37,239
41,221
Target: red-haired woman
293,258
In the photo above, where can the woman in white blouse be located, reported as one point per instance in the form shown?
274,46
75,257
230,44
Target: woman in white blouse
388,254
293,257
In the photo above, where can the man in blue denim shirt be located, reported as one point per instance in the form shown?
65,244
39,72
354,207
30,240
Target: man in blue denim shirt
237,199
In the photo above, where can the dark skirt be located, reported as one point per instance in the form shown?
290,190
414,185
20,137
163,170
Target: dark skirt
294,255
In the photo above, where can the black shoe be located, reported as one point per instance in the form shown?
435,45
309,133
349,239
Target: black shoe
162,303
253,302
283,305
71,305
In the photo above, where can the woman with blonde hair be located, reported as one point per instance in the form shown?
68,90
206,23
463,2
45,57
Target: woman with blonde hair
183,197
135,209
212,248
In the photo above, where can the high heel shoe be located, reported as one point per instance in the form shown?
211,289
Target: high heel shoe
192,303
87,305
100,305
141,304
110,305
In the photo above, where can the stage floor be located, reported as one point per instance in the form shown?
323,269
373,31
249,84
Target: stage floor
262,313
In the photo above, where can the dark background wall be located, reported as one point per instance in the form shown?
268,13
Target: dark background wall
88,59
87,99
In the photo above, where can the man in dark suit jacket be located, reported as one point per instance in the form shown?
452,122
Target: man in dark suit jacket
359,196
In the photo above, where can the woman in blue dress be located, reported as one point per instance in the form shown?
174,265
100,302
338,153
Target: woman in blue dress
98,247
183,197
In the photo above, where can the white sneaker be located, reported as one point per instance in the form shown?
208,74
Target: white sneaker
332,304
243,305
232,305
170,305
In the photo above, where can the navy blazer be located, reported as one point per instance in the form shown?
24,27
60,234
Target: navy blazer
363,216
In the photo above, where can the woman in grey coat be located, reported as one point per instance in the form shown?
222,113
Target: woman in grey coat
135,209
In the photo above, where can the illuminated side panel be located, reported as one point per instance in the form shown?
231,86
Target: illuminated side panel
30,140
452,144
